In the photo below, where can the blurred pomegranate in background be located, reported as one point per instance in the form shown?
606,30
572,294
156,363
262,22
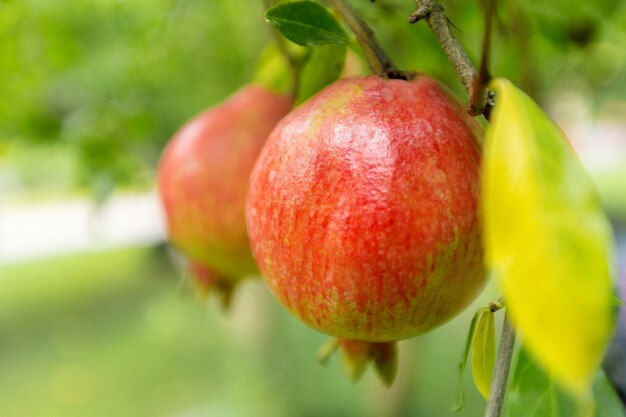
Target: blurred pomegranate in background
203,181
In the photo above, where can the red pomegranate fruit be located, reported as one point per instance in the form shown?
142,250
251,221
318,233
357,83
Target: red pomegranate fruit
203,181
362,211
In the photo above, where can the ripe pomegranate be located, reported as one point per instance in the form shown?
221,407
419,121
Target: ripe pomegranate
362,211
203,181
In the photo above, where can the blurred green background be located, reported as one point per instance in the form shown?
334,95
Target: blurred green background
81,339
91,92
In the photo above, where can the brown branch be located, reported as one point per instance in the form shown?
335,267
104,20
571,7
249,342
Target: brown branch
433,12
378,60
479,100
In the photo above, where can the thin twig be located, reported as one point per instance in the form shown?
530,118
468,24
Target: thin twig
501,373
478,102
376,57
432,11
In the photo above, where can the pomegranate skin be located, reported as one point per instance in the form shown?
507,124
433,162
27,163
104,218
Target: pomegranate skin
203,179
362,209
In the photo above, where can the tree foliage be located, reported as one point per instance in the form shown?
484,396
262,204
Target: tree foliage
100,86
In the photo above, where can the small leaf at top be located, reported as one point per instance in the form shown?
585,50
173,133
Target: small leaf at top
532,393
547,240
484,353
307,23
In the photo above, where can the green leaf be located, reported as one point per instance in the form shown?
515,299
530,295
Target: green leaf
322,68
532,393
307,23
617,302
547,240
607,402
484,353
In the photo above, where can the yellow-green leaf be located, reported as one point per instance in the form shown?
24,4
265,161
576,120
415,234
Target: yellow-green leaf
483,352
547,240
460,402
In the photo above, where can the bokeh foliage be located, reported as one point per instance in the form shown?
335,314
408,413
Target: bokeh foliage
109,82
93,89
129,340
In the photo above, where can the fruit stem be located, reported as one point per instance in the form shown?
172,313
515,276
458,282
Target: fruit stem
478,102
378,60
501,373
432,11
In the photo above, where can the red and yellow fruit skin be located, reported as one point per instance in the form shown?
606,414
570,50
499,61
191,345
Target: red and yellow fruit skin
362,210
203,178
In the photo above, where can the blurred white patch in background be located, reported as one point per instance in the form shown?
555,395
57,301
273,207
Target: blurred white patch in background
600,142
599,137
49,228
